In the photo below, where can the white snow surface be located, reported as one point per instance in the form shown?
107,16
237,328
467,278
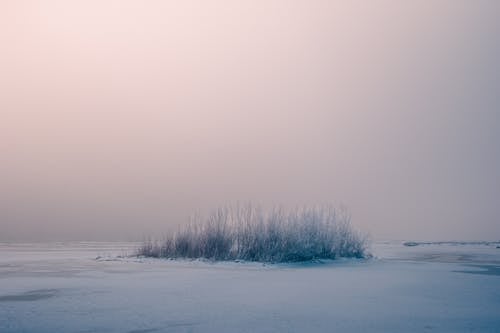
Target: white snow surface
99,287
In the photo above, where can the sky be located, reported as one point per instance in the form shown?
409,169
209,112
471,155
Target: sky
120,119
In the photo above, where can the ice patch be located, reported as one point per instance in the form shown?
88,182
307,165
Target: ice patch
32,295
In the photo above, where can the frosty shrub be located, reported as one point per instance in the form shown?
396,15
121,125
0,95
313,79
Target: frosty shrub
252,234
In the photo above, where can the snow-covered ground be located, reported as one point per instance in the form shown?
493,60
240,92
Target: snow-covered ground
95,287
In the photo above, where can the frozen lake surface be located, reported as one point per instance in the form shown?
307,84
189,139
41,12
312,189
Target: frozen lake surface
95,287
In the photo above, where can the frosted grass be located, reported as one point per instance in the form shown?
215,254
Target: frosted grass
252,234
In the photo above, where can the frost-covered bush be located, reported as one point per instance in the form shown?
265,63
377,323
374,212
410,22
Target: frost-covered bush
252,234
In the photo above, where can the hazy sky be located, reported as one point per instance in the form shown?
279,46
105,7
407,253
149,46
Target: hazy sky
121,118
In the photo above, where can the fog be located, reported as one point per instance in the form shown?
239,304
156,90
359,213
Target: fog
120,119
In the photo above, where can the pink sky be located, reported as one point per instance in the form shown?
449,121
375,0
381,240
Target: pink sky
121,118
